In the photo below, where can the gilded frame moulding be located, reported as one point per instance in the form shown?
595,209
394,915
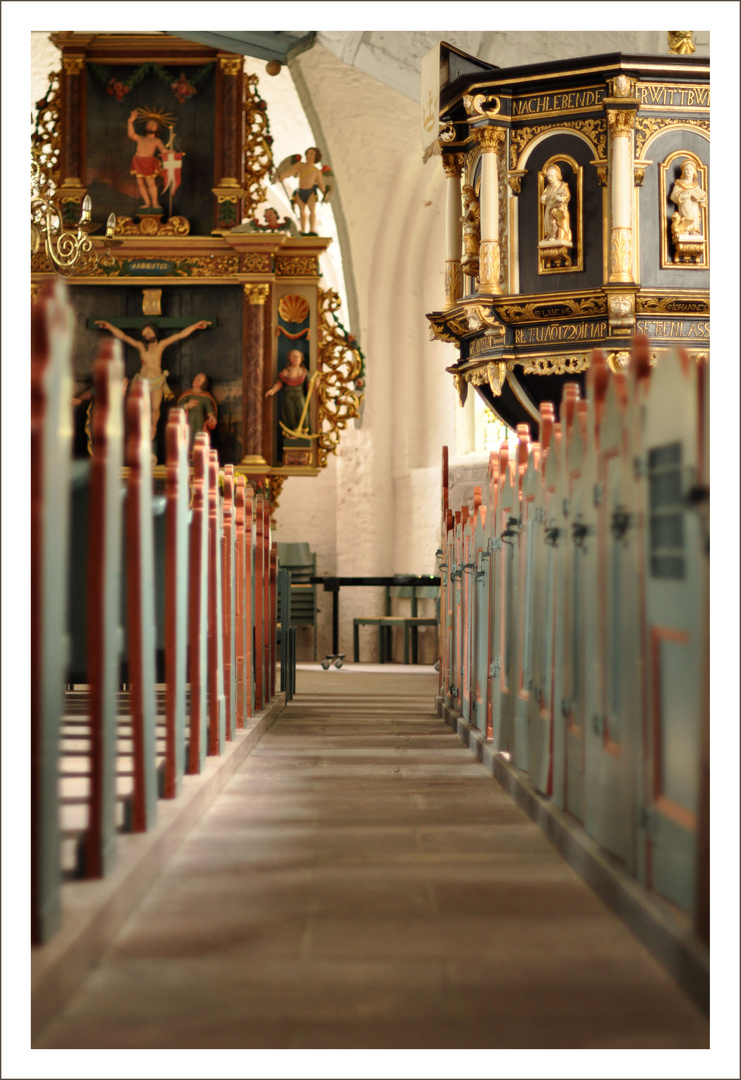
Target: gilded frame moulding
569,364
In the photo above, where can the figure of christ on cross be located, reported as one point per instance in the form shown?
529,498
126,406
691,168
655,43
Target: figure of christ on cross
150,350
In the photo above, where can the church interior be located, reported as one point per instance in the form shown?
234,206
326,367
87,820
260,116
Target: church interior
372,437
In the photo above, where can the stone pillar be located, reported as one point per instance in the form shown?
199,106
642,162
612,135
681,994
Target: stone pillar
621,184
453,167
253,350
492,140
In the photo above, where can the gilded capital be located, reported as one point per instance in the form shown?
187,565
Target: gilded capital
621,121
73,65
256,295
230,65
491,139
452,165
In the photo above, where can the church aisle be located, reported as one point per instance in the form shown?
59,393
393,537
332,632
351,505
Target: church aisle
363,882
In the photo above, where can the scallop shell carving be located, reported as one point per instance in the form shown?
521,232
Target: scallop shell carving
293,309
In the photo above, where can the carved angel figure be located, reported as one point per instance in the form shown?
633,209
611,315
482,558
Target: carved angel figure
690,198
311,179
555,201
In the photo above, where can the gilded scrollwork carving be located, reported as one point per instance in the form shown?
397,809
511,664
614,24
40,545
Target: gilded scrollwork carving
672,305
45,145
561,308
648,127
482,317
556,365
338,366
492,375
152,226
253,263
595,131
482,105
297,266
274,486
258,157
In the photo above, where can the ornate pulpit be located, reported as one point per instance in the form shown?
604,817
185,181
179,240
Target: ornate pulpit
577,209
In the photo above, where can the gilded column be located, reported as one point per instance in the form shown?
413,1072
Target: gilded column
255,298
621,183
453,167
491,140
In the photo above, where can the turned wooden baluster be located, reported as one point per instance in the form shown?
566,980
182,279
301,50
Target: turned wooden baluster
104,605
228,583
176,597
51,446
216,703
140,605
198,606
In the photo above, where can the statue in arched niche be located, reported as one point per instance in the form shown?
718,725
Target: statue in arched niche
555,238
471,221
555,201
690,198
687,228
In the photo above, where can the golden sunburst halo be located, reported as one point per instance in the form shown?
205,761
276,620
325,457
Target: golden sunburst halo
163,118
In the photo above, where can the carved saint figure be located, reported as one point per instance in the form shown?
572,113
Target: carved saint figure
310,181
555,201
291,381
690,198
200,406
471,221
145,166
150,350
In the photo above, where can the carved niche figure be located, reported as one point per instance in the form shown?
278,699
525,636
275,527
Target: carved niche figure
555,236
686,222
200,407
471,221
689,197
555,201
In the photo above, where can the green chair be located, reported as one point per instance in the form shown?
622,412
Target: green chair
301,561
408,623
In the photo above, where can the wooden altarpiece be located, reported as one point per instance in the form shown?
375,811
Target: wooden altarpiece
180,261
